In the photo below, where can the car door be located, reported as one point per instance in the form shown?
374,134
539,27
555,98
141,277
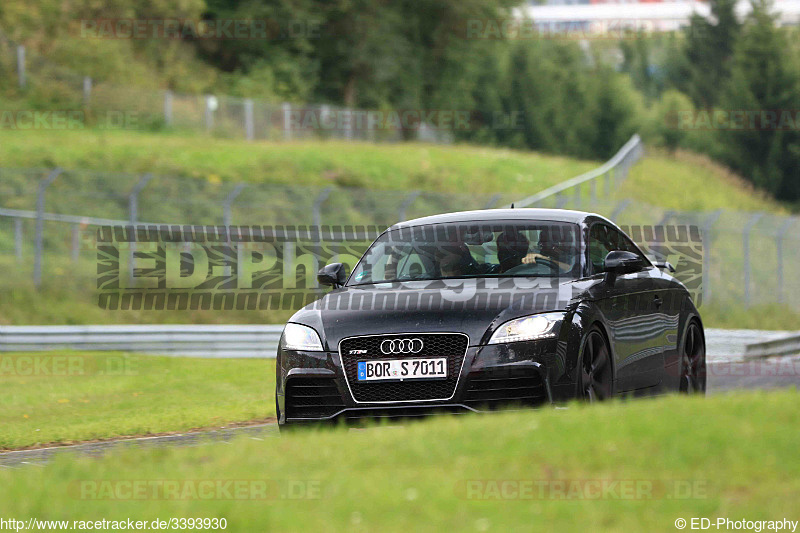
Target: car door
631,305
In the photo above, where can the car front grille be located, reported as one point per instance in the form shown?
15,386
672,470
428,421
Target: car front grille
453,346
312,398
504,388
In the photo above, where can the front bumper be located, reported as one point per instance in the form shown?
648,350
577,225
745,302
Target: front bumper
311,386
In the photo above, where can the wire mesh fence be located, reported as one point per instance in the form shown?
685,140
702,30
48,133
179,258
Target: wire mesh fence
749,258
106,104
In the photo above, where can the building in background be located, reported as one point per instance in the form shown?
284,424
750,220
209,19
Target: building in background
605,16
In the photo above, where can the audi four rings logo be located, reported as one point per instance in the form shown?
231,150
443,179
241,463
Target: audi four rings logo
397,346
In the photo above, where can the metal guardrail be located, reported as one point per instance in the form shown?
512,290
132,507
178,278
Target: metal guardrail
787,345
219,341
618,165
261,341
56,217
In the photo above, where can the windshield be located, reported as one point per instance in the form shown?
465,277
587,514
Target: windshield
452,251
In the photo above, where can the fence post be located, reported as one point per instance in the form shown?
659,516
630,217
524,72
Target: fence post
209,114
608,183
37,260
594,192
87,90
133,214
228,202
779,247
76,239
249,128
324,115
401,214
287,121
18,238
746,249
316,210
350,118
21,66
493,200
707,226
168,107
317,214
619,209
227,217
578,196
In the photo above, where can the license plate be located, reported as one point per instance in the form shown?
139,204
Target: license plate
402,369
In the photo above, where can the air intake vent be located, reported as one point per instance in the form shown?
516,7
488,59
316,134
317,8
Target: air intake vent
496,389
312,398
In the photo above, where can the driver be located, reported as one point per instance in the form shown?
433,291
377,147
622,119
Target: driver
555,249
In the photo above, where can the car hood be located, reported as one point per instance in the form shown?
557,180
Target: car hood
474,307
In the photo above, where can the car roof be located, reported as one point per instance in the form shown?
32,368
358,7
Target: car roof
492,215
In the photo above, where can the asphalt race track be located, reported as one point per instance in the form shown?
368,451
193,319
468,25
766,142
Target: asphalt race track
725,374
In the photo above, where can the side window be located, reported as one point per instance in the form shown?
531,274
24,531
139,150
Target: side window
599,246
629,246
604,239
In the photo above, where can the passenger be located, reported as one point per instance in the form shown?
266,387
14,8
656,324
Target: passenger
455,261
512,248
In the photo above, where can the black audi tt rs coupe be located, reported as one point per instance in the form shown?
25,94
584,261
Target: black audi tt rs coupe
481,310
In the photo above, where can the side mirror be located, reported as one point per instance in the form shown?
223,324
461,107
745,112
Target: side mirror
665,265
333,275
621,262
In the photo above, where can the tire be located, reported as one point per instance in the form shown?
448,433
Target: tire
595,377
693,361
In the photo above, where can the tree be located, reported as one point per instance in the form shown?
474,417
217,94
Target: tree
708,50
764,83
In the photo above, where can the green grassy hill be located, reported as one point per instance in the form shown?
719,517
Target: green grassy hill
682,181
196,172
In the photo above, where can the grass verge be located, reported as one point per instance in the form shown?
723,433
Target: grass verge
728,455
459,169
690,182
63,397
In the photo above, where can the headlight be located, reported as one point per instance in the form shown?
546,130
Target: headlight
297,337
527,328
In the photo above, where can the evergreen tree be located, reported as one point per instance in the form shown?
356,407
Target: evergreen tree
764,83
709,48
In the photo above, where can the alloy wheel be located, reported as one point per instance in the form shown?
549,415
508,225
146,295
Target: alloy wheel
693,362
596,376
